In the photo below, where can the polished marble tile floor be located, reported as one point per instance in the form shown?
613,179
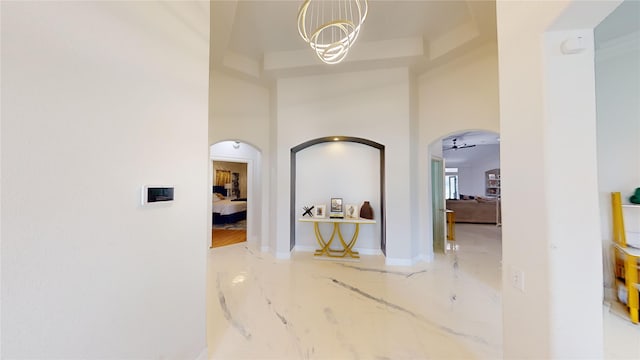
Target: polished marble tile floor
263,308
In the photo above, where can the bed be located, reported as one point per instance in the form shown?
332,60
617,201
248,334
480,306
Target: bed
227,211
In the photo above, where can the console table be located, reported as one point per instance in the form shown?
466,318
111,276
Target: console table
325,245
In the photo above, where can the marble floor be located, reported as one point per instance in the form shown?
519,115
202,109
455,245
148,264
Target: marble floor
304,308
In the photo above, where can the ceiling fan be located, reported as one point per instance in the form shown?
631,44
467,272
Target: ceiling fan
456,146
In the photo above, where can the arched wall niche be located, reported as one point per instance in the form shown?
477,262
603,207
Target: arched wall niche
342,139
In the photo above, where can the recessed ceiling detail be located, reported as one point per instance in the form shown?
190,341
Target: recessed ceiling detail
260,40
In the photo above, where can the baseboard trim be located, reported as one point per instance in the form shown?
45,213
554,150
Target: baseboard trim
398,262
423,258
304,248
369,251
204,354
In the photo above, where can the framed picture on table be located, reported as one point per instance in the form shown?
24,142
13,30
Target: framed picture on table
336,210
319,211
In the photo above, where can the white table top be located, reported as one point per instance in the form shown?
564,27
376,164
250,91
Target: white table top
336,220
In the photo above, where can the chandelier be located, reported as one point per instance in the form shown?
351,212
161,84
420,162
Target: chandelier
331,27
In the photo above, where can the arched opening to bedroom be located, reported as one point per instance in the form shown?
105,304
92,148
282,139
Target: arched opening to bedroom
349,168
235,193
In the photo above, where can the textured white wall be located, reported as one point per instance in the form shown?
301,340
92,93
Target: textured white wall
460,95
239,111
547,97
99,99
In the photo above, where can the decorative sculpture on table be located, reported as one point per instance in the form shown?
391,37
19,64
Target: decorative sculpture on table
366,211
308,211
351,211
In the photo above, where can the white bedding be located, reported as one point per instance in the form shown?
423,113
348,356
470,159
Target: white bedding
228,207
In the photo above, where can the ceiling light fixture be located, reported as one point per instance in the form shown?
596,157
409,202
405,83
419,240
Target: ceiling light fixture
331,27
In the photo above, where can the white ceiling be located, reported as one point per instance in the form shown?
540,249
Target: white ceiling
472,138
259,39
485,142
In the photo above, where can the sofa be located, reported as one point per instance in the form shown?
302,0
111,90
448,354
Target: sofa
479,210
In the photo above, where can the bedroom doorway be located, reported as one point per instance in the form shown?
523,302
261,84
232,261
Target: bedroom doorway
235,196
229,202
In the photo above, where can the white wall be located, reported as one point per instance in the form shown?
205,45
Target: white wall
369,104
99,99
618,124
460,95
346,170
241,110
547,97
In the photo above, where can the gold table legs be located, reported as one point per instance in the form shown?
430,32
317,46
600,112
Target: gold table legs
325,246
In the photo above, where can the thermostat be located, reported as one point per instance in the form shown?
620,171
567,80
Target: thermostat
154,194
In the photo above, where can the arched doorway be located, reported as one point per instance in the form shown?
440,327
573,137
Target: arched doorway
236,192
467,164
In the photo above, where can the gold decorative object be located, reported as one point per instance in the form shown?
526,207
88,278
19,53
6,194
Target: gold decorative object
331,27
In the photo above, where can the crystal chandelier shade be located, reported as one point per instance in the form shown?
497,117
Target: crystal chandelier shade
331,27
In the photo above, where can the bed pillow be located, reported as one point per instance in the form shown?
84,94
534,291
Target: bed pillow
217,197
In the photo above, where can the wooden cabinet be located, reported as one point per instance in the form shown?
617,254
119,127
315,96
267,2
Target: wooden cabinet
492,183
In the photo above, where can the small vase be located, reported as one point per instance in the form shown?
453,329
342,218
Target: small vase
366,211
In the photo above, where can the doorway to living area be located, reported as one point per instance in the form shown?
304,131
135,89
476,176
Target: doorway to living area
472,181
